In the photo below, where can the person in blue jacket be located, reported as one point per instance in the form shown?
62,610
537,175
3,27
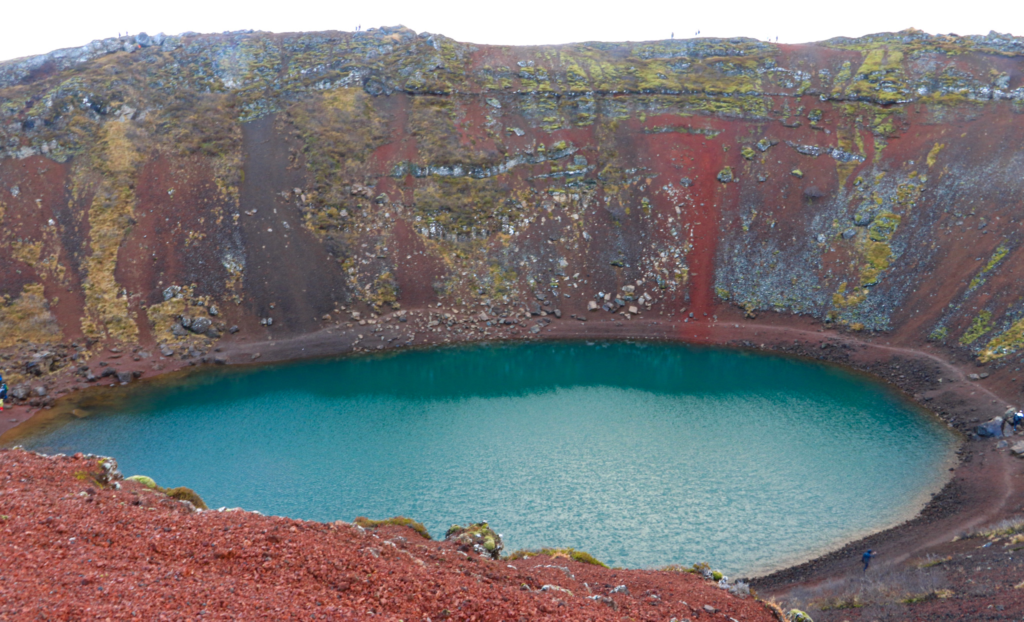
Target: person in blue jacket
866,558
3,393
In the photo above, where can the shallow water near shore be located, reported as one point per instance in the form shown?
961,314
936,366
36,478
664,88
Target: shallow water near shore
643,455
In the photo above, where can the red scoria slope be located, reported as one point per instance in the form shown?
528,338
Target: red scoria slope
75,548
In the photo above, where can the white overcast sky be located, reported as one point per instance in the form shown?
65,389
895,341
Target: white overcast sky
30,28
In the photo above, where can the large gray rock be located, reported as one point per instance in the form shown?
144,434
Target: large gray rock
20,392
990,429
200,325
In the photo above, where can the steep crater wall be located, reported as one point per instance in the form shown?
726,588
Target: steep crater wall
165,196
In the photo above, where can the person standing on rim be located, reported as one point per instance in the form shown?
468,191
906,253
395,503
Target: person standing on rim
3,392
866,558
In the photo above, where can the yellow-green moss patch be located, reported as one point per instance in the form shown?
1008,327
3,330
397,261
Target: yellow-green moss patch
401,521
1007,342
573,554
981,325
27,318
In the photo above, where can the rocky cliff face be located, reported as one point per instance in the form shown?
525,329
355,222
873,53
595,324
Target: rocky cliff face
156,191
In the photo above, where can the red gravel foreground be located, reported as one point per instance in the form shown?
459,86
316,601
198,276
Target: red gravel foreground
79,543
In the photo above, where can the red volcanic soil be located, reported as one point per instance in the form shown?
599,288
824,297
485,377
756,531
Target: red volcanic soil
80,543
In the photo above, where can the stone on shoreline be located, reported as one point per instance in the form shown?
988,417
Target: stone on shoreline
992,428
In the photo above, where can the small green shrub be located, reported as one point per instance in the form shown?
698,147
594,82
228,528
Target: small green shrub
401,521
914,599
568,553
849,602
186,494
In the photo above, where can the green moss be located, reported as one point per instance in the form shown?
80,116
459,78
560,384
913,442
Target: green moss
842,299
400,521
939,334
568,553
1000,253
979,326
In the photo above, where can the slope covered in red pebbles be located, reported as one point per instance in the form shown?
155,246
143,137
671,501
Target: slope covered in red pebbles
77,542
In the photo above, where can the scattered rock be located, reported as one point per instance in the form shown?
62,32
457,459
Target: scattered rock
606,600
725,175
174,291
124,377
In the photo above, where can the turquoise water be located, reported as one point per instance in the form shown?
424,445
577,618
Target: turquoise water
643,455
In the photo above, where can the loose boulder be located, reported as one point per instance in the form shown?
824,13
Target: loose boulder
990,429
200,325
